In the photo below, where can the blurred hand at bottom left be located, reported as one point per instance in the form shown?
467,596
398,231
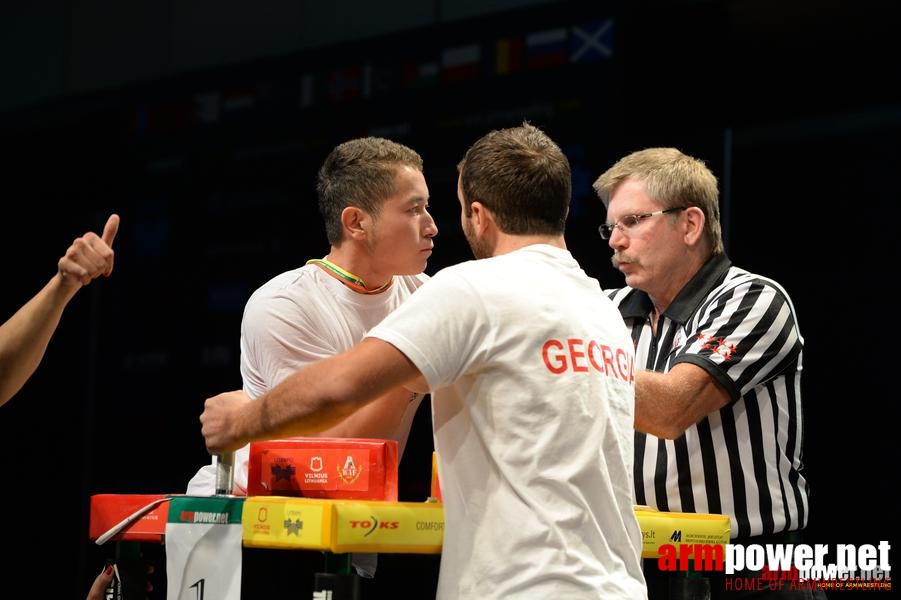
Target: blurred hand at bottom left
98,588
108,577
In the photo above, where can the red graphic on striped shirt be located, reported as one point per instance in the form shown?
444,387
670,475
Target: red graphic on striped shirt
717,345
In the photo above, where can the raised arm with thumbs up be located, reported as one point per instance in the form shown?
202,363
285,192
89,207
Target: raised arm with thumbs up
24,337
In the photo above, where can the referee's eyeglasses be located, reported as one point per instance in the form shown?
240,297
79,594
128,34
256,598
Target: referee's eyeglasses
626,223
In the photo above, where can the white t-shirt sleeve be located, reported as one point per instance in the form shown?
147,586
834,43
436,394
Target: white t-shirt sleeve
440,328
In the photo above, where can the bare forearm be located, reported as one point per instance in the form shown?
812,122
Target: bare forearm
311,400
656,411
387,417
666,404
25,336
304,404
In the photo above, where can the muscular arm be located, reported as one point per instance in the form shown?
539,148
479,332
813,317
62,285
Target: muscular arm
311,400
666,404
387,417
25,336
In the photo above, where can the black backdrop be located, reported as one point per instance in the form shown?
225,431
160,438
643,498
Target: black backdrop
213,173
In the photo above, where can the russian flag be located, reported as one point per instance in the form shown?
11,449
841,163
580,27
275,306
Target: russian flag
547,48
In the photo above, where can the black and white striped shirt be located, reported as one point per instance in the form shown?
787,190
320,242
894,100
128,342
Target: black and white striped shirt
744,460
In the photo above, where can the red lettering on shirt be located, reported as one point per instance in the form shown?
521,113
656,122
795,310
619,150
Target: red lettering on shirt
575,355
555,363
582,356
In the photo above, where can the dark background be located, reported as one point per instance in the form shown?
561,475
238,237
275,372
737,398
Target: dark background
792,104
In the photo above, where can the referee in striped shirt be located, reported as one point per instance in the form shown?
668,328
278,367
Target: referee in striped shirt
718,413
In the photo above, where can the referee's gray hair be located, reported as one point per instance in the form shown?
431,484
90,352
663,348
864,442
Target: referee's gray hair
672,179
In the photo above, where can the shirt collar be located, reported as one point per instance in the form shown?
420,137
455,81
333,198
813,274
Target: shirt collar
638,304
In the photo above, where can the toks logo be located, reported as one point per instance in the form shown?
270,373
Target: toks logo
372,524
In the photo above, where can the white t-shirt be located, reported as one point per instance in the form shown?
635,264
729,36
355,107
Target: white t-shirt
294,319
530,367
